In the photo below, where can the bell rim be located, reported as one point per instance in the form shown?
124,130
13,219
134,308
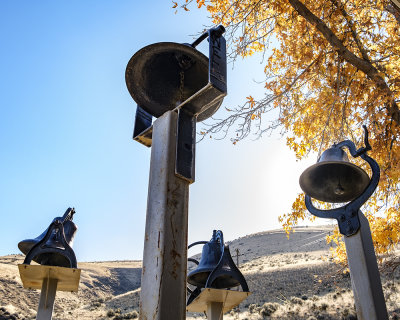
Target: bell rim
154,48
363,174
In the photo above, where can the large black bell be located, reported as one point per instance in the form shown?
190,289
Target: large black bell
161,76
53,246
333,178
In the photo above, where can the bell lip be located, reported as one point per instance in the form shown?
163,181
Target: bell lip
362,172
137,94
26,245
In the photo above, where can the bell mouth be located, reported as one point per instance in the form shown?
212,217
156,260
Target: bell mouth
199,279
154,73
334,181
225,280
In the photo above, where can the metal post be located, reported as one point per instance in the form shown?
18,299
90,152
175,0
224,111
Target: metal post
364,273
214,311
163,287
47,297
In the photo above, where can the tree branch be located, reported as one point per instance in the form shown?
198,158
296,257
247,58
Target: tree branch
350,23
350,57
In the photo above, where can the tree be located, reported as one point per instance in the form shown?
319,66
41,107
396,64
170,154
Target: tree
336,67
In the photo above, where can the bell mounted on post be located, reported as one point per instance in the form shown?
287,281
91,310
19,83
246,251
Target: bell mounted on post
216,268
333,178
54,246
170,76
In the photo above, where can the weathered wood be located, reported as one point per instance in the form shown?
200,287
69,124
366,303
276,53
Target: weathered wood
364,273
47,297
228,298
32,276
214,310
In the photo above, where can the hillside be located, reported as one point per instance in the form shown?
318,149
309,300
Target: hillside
289,279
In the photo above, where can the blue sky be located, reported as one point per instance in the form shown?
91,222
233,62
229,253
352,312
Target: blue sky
67,121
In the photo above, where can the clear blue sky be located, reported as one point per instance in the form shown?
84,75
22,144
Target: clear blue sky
67,121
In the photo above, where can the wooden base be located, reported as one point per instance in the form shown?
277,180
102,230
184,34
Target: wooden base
32,276
228,298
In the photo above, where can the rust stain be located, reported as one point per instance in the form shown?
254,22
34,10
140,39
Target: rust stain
175,265
175,254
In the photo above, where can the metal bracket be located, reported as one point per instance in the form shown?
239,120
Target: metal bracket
217,55
143,129
185,145
206,97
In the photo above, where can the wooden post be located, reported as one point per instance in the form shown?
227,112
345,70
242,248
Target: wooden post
49,279
47,297
215,310
364,273
163,287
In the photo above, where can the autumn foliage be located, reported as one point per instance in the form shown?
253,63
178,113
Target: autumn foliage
330,67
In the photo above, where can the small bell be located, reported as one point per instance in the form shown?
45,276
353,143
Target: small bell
333,178
55,250
216,268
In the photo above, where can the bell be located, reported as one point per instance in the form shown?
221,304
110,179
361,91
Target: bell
216,268
210,256
333,178
161,76
58,256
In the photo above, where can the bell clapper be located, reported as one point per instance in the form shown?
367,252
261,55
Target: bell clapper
339,189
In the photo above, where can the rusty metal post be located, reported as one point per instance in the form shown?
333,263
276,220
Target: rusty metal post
364,273
163,287
47,297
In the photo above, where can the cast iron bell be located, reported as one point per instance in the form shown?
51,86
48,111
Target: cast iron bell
53,246
216,268
333,178
163,75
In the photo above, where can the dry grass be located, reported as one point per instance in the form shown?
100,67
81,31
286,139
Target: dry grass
289,279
